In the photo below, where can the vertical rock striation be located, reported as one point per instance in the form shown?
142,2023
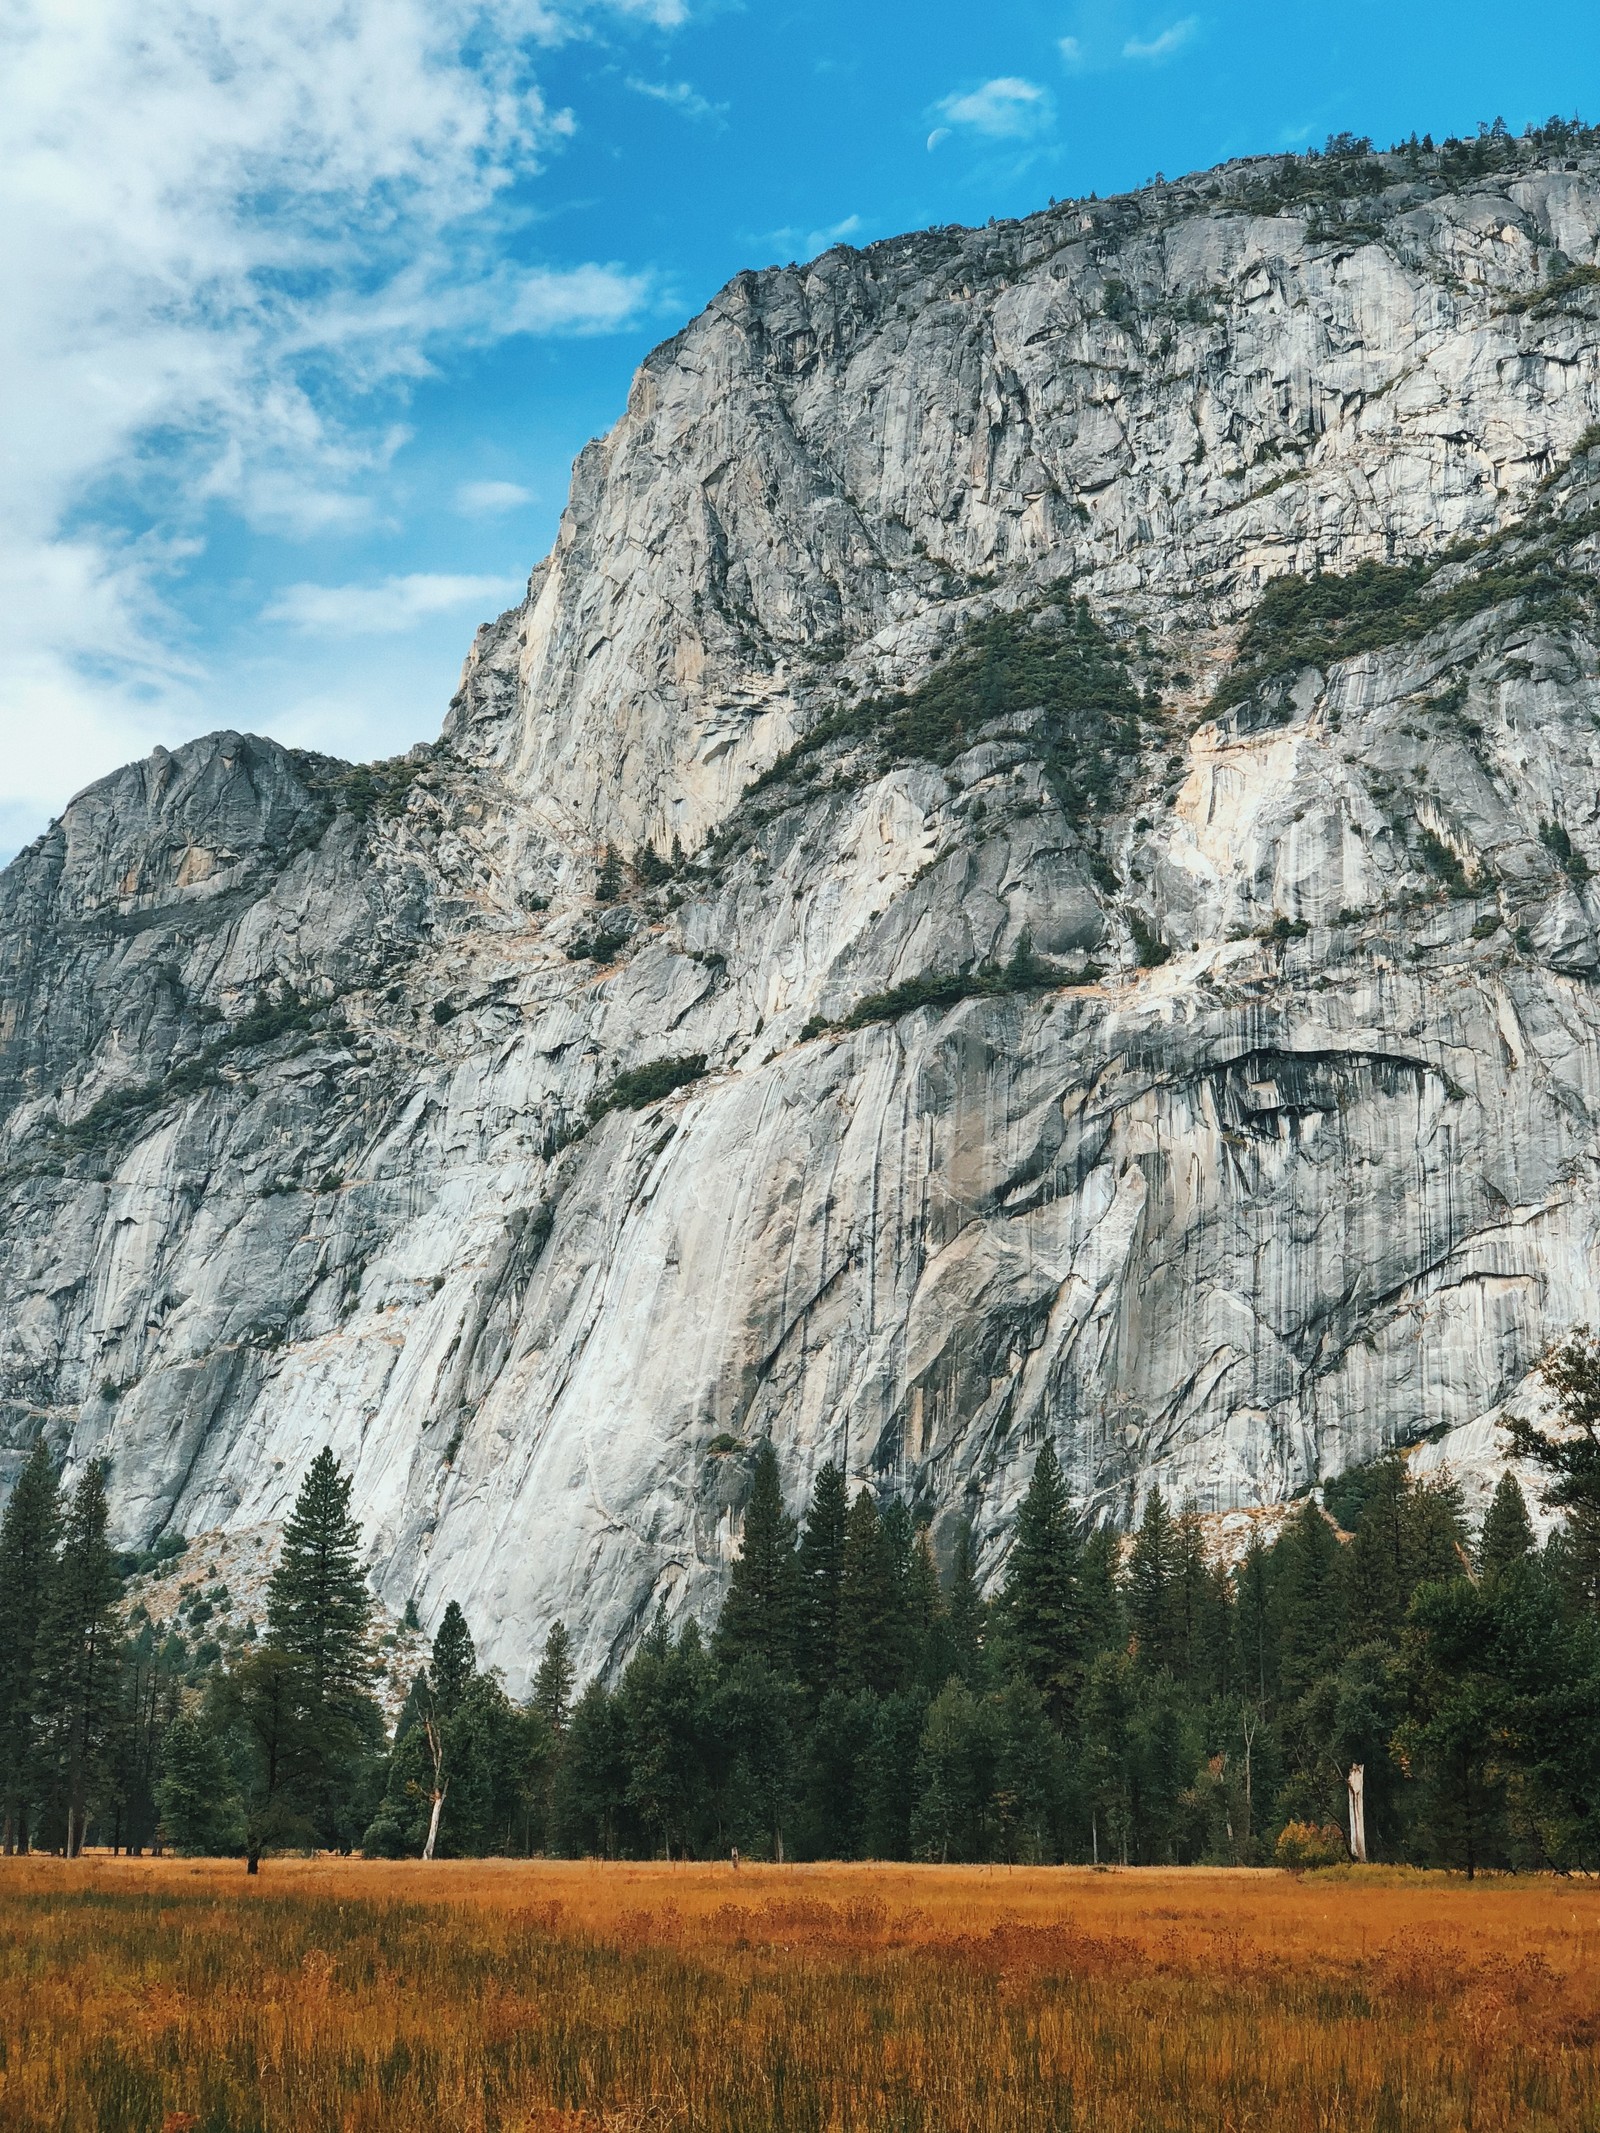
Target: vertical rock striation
1123,986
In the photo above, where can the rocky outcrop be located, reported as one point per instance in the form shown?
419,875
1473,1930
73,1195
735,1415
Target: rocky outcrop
1096,997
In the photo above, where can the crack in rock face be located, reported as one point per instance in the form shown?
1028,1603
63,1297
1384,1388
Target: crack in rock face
1025,871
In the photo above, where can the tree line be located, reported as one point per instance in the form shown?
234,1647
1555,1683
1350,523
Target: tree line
1120,1698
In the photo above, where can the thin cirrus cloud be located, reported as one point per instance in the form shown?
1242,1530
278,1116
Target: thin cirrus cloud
233,235
1008,108
1080,54
386,609
682,96
1164,43
491,499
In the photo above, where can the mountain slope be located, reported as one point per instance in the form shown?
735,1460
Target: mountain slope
1105,997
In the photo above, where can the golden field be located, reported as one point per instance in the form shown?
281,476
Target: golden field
177,1997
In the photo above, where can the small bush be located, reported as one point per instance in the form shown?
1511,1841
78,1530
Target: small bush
1311,1844
646,1085
1152,951
1438,858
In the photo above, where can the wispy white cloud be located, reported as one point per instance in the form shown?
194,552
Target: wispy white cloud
1007,108
488,499
681,95
1164,43
232,234
1072,52
835,233
384,610
665,14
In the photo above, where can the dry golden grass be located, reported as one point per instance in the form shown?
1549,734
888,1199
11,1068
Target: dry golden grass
552,1998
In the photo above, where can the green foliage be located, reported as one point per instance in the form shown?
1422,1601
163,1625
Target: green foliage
318,1607
454,1661
608,883
648,1084
1151,950
78,1646
1506,1541
1562,283
201,1812
1023,971
1439,859
760,1614
1050,676
604,945
29,1534
365,790
120,1111
1041,1611
1314,622
820,1572
1559,844
552,1685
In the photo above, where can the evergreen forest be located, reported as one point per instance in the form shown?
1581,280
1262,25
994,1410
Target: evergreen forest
1120,1697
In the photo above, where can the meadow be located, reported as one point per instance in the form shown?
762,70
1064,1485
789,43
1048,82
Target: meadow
161,1996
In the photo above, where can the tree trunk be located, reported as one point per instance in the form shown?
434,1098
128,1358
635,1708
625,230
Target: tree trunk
433,1825
1356,1785
252,1864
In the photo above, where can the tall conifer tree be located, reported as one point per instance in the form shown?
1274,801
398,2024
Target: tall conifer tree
317,1601
866,1602
1153,1579
80,1644
29,1532
1040,1602
758,1615
552,1685
821,1569
454,1661
1507,1536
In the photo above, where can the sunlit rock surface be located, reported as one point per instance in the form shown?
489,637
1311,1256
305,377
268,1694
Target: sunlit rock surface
296,1067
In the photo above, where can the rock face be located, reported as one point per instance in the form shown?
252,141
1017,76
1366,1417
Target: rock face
1111,1001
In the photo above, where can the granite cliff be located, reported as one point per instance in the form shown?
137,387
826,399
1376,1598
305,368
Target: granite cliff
1024,869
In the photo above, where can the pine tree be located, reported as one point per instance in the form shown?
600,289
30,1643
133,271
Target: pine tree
821,1568
1153,1572
455,1661
1309,1597
1507,1536
932,1654
1378,1562
591,1783
317,1602
201,1812
28,1535
552,1685
1039,1605
1254,1625
608,884
759,1614
866,1602
664,1702
1572,1461
965,1612
80,1650
897,1537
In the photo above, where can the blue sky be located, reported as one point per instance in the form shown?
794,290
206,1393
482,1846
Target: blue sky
309,308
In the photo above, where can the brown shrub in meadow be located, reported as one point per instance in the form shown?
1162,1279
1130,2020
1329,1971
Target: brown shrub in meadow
160,1997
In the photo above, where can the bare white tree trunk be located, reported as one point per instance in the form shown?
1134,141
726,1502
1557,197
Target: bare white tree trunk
1356,1785
440,1785
433,1825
